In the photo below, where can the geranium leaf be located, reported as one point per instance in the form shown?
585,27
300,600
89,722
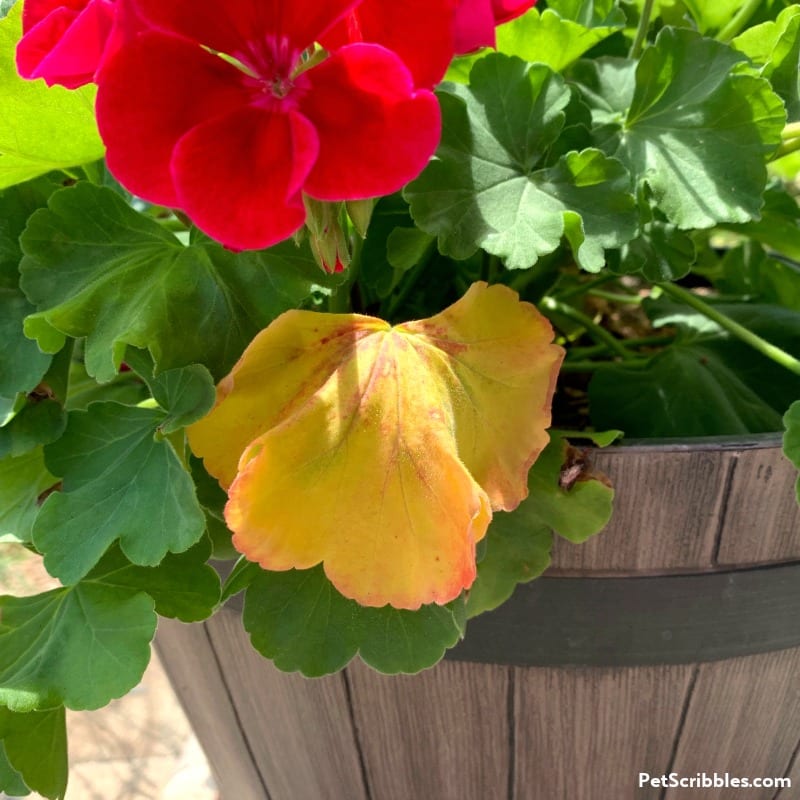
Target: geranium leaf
660,252
551,39
11,782
299,620
22,480
791,438
186,394
94,267
22,364
484,188
519,542
80,646
119,483
35,745
698,133
182,586
404,437
711,15
43,128
775,48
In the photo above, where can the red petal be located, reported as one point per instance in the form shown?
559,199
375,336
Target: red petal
238,176
475,24
34,11
152,91
376,132
505,10
419,31
66,46
233,25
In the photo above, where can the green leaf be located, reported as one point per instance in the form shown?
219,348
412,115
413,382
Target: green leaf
775,48
297,619
94,267
711,15
660,252
698,133
519,542
186,394
550,39
43,128
589,13
22,480
37,422
791,438
11,782
22,364
120,483
483,190
36,747
80,646
183,586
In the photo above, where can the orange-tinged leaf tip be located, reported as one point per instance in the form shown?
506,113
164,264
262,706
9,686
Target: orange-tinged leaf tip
382,451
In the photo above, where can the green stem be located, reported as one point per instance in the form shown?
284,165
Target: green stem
764,347
591,366
789,146
740,20
791,131
630,299
409,282
597,333
583,288
641,31
642,341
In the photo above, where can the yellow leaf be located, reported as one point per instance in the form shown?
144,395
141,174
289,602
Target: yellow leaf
381,451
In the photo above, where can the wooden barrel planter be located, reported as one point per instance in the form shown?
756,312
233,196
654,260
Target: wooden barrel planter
670,643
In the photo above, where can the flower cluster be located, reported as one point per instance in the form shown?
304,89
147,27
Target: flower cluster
233,112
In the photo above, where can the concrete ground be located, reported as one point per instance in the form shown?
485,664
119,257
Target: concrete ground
137,748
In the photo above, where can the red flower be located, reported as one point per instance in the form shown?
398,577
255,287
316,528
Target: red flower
419,31
64,42
212,109
477,19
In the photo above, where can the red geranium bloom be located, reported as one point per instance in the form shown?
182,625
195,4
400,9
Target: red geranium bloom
477,19
421,32
212,109
64,42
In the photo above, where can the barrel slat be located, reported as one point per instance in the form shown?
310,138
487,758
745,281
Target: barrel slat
744,719
762,523
666,515
586,733
300,731
441,734
191,665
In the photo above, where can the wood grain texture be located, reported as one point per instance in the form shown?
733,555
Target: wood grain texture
300,731
666,514
441,735
191,665
763,519
743,718
585,733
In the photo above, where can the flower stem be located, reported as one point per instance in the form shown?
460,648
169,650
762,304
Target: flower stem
641,31
591,366
764,347
791,131
600,335
739,21
615,297
789,146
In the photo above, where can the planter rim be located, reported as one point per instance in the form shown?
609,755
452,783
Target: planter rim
748,441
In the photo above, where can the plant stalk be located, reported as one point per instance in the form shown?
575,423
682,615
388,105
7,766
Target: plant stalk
600,335
641,31
591,366
739,21
764,347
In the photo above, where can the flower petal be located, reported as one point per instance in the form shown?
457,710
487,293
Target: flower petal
505,369
152,91
380,451
505,10
376,132
475,25
238,176
419,31
66,45
229,26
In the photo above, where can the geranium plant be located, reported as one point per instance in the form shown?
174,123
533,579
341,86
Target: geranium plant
288,285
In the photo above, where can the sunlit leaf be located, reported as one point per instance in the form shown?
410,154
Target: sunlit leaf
41,128
382,451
